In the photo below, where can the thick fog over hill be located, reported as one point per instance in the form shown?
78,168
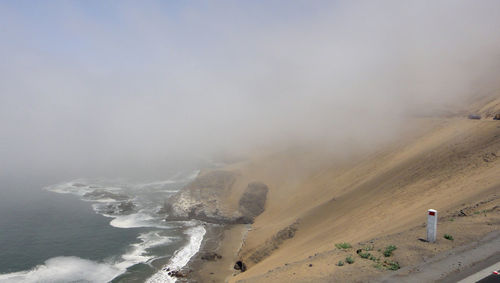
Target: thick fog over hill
110,88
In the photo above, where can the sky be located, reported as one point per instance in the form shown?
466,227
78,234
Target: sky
106,88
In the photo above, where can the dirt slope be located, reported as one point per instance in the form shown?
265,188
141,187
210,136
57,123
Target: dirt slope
317,198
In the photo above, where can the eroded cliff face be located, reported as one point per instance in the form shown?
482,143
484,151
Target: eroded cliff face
206,199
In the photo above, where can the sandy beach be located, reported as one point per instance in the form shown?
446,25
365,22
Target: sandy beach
221,240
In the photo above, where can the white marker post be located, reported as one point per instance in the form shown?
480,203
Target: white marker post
432,216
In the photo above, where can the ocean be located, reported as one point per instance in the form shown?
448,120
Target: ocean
93,230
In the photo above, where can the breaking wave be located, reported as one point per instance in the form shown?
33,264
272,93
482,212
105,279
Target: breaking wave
182,256
130,206
65,269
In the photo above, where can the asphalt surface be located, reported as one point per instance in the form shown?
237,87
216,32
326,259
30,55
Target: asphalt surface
486,275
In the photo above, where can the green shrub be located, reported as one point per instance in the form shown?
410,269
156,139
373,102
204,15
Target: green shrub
388,250
349,260
364,255
368,248
340,263
373,258
448,237
343,246
391,265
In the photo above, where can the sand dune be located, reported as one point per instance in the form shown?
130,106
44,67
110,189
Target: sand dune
319,197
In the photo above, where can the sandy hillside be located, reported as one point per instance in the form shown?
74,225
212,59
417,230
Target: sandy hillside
318,198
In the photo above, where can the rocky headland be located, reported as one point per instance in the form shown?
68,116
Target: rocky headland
208,198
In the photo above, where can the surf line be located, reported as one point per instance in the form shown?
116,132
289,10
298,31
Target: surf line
181,257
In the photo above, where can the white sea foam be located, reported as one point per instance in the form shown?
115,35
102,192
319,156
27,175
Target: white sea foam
182,256
136,220
74,187
138,252
102,200
73,269
65,269
144,215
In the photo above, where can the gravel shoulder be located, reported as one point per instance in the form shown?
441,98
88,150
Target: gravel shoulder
453,265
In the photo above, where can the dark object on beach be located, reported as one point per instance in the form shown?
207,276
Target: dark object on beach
177,273
474,117
239,265
310,265
497,117
211,256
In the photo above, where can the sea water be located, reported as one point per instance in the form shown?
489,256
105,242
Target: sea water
93,231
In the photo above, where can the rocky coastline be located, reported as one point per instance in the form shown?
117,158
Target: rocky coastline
207,199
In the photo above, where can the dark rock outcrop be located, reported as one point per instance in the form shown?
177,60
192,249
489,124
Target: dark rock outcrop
206,199
253,201
201,199
273,244
121,208
102,194
240,265
126,207
210,256
177,273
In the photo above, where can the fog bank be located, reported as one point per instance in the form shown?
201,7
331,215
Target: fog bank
95,88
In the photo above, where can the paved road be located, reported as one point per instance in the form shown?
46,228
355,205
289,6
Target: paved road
484,276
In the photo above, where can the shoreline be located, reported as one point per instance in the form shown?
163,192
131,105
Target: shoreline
217,255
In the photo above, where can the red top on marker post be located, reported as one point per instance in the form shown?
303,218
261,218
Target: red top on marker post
432,213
